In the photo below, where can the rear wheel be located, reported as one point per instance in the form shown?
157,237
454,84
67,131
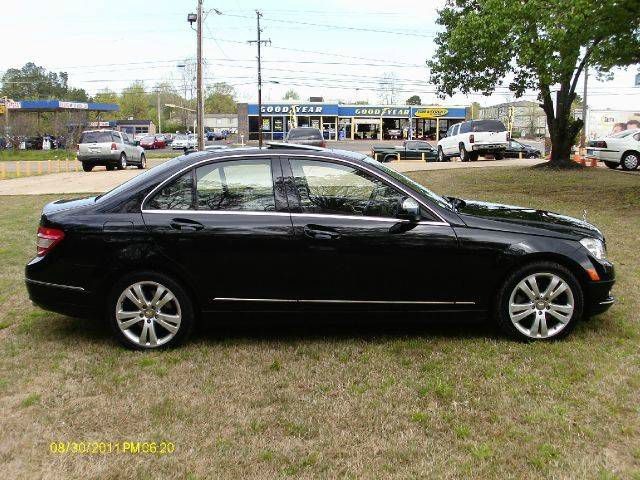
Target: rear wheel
464,155
122,162
87,167
612,165
630,161
148,310
441,156
540,301
143,162
110,167
499,156
474,156
389,158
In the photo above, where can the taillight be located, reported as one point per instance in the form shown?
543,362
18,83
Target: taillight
47,239
323,144
472,138
601,144
114,146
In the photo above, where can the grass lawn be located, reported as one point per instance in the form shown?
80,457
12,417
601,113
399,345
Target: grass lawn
26,155
351,397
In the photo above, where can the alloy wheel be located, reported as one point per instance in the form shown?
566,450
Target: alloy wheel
148,314
541,305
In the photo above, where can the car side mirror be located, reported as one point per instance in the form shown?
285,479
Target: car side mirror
409,210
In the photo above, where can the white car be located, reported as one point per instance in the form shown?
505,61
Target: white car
469,140
621,149
184,142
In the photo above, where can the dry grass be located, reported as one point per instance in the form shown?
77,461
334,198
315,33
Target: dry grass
341,396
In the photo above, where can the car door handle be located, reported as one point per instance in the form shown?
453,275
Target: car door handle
317,232
185,224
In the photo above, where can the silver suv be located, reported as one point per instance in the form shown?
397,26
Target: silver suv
110,148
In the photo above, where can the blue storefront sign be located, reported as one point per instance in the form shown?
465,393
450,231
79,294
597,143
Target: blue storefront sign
334,109
301,109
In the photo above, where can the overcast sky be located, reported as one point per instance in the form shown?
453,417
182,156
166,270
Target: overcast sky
112,43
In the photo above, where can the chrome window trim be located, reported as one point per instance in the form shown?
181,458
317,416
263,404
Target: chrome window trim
400,302
221,212
272,156
56,285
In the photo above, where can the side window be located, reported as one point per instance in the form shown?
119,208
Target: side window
335,189
464,127
637,137
455,129
238,185
116,137
411,145
177,195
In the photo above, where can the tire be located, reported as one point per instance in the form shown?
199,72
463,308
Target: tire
464,155
441,156
110,167
499,156
166,321
122,162
473,157
87,167
539,324
389,158
612,165
630,161
143,162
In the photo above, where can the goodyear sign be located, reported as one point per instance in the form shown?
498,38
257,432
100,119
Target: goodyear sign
433,112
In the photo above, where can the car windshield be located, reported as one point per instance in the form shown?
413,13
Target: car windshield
180,137
488,126
304,134
96,137
407,182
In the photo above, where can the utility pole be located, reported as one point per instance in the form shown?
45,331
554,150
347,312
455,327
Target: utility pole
259,42
583,137
6,116
200,90
159,111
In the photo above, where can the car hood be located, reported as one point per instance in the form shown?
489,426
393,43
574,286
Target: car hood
496,216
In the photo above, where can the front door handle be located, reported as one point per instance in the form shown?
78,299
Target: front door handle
184,224
318,232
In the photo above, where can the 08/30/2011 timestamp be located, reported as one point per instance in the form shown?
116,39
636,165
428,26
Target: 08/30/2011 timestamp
103,448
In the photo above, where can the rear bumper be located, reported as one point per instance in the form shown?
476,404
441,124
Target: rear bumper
99,159
488,147
68,300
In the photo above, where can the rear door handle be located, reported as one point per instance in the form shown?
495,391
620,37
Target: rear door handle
185,224
317,232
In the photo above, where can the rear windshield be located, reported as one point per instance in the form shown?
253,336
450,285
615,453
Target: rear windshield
305,134
483,126
147,139
96,137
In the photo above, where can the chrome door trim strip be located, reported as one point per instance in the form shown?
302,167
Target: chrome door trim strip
273,155
219,212
402,302
56,285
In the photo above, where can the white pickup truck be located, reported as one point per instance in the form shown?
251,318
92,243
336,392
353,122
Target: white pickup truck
469,140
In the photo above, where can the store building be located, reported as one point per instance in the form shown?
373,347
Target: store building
355,122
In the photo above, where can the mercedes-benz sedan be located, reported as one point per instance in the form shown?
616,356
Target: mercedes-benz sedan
293,228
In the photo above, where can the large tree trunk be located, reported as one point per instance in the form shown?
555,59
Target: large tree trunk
563,129
561,143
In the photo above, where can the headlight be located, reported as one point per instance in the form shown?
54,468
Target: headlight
595,247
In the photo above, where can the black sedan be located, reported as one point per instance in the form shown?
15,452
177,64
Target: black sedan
516,148
295,228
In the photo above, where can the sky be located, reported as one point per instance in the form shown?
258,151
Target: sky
333,49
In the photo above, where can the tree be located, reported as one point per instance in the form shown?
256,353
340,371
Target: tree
291,95
32,82
134,102
107,96
541,45
220,99
414,100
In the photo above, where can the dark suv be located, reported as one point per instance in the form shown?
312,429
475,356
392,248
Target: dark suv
292,229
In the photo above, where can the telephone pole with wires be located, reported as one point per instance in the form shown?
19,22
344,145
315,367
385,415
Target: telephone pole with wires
259,42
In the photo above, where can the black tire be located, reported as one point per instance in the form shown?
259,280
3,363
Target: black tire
110,167
630,161
122,162
464,155
441,156
612,165
389,158
473,157
503,299
143,162
87,167
185,303
499,156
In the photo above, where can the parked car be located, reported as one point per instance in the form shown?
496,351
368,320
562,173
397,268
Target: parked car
302,228
621,149
184,142
168,139
515,148
151,142
394,133
409,150
469,140
306,136
215,135
110,148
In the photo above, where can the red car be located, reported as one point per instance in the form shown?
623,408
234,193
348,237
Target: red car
151,142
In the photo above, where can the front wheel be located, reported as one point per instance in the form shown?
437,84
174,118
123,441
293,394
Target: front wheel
612,165
148,311
122,162
541,301
87,167
630,161
441,156
464,155
389,158
143,162
499,156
